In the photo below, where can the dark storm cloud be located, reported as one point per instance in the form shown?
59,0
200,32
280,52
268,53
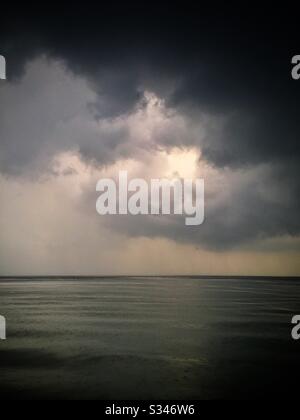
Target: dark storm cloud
235,67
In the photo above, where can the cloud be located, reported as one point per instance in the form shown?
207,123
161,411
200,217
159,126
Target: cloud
222,65
34,114
49,228
149,90
49,113
243,207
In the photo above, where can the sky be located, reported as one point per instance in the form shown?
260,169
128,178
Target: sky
161,92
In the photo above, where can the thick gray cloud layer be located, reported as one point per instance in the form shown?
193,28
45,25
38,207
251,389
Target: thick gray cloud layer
230,65
226,85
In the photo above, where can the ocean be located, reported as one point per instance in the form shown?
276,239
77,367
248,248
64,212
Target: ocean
149,338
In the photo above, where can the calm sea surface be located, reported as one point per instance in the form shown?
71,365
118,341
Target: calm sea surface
149,338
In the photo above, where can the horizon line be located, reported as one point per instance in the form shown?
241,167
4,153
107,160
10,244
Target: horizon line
114,276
